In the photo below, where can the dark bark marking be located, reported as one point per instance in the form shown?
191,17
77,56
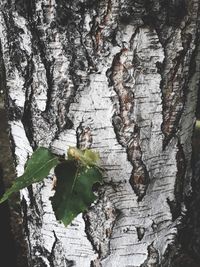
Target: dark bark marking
25,8
140,232
139,179
131,12
18,56
14,112
127,132
189,234
153,257
3,77
48,117
53,254
99,234
174,209
176,257
176,204
84,137
173,97
162,16
65,12
168,257
154,226
179,185
39,251
98,27
27,114
165,13
38,47
95,263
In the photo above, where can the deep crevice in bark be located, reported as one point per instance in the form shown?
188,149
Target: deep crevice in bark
27,117
140,232
153,257
126,130
161,16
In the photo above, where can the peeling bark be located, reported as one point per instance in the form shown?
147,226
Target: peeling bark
121,77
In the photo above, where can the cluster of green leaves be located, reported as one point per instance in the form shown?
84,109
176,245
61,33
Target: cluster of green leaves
75,178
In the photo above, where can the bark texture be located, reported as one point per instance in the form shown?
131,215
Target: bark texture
121,77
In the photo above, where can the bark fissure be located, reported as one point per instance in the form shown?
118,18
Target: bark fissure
153,257
174,83
127,131
99,235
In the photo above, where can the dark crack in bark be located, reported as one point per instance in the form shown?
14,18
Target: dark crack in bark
179,185
153,257
95,263
189,234
58,250
99,23
140,232
173,22
176,204
99,222
127,131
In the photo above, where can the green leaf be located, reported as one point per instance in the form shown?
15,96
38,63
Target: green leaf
74,189
86,156
37,168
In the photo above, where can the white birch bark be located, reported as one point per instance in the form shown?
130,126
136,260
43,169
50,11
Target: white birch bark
121,77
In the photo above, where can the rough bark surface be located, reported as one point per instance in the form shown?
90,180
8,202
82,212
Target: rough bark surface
121,77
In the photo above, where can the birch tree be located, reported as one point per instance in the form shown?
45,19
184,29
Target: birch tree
120,77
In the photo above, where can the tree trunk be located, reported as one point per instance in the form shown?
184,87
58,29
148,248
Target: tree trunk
121,77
